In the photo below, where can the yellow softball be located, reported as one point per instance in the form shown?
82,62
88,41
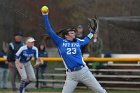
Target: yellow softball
44,9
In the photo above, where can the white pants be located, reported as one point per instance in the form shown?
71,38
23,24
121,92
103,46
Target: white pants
84,76
27,72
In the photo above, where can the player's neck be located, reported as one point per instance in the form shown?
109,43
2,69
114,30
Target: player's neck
69,38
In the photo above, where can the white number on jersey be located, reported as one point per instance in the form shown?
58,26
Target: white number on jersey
71,50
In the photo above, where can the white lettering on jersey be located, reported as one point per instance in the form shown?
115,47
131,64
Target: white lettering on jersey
27,55
71,45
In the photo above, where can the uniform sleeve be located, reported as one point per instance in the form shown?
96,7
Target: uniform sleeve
19,53
36,54
56,39
84,41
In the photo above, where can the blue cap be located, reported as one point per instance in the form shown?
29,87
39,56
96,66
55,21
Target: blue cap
18,34
80,26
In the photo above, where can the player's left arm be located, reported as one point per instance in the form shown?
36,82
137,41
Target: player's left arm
93,28
37,59
19,52
86,39
35,53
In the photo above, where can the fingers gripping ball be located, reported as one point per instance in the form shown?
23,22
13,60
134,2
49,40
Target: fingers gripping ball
44,9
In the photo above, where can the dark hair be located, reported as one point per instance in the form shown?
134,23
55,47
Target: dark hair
66,31
43,48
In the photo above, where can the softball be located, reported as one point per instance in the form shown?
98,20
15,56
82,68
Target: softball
44,9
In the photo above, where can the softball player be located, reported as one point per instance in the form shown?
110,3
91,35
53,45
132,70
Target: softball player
23,64
69,50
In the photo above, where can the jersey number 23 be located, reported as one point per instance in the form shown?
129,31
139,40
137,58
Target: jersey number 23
71,50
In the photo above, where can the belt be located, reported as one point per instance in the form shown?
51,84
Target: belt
75,68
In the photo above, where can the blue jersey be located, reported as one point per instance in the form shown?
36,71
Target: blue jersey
69,50
25,53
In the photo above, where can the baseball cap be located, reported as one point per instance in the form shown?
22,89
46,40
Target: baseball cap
80,26
18,34
30,39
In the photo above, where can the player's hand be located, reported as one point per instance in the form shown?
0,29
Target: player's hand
44,13
38,63
93,25
19,64
45,10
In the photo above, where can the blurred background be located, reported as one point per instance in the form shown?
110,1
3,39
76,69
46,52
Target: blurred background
119,29
119,20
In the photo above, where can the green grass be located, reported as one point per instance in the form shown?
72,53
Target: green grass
82,90
76,91
124,91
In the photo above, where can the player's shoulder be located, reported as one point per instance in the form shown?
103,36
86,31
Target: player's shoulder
78,39
24,47
64,40
35,48
11,43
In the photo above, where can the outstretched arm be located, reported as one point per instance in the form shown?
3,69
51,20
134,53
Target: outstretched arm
93,28
56,39
86,39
